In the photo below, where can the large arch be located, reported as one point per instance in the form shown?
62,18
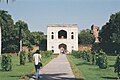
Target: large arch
63,48
62,34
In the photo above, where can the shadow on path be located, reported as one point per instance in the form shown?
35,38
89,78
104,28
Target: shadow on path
57,76
110,78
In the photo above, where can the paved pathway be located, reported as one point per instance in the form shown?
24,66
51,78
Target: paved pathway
57,69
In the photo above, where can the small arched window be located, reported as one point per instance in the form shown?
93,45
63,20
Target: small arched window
72,35
72,47
52,35
53,51
52,32
52,46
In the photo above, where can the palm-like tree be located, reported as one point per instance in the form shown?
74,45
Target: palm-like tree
6,23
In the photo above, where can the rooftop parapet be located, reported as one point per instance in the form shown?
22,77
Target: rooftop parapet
62,25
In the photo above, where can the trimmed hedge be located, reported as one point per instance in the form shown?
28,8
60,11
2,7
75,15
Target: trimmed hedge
46,54
22,57
117,66
93,57
101,60
6,63
30,56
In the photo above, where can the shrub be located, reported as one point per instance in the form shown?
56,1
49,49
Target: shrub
30,56
22,58
117,66
76,54
86,55
93,57
101,60
6,63
42,53
46,54
90,56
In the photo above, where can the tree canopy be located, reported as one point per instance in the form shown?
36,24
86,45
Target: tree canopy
110,34
7,27
85,37
13,33
23,32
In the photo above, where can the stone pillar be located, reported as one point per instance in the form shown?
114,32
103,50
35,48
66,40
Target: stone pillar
0,40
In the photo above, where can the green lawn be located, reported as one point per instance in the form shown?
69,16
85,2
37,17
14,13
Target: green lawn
88,71
18,71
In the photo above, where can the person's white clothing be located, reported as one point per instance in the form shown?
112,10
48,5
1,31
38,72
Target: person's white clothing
37,58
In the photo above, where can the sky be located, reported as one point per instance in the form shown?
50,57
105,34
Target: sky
39,13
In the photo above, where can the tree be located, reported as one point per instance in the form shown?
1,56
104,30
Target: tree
8,35
23,32
38,36
43,44
39,39
84,37
110,34
13,33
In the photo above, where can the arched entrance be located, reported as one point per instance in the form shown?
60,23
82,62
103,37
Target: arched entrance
62,34
63,48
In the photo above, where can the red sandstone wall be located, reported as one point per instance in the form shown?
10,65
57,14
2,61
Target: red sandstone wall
84,47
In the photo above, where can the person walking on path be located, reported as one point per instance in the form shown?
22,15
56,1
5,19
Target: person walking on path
37,59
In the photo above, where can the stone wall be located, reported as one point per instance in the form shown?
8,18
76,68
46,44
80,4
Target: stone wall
84,47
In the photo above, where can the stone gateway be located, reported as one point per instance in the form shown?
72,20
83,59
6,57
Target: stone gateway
62,38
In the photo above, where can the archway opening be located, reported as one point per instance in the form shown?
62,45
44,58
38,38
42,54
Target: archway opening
63,48
62,34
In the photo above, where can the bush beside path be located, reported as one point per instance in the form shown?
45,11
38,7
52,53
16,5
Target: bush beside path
18,71
88,71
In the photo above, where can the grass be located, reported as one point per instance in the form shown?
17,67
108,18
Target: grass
87,71
18,70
